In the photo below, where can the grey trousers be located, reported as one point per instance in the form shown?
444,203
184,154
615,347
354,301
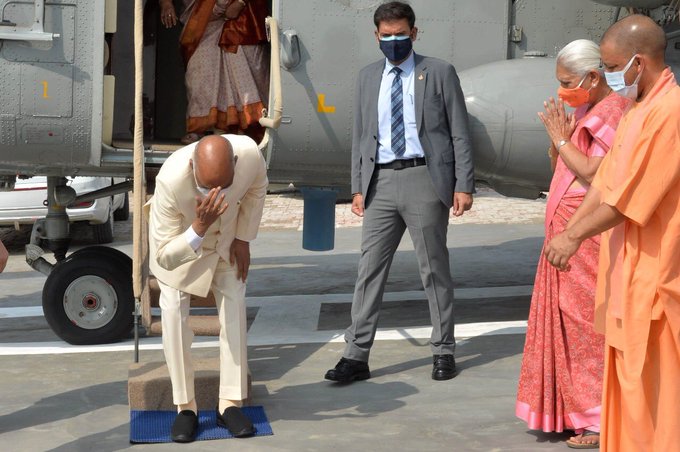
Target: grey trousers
396,200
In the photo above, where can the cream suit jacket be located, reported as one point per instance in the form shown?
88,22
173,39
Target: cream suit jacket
172,209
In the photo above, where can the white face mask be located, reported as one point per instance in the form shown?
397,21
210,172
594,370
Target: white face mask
202,190
206,191
617,82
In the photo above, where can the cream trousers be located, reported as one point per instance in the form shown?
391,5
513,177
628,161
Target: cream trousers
229,294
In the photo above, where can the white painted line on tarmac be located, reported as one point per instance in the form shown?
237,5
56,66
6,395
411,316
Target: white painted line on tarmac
27,311
464,331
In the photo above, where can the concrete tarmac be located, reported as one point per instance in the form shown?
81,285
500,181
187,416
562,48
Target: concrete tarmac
62,398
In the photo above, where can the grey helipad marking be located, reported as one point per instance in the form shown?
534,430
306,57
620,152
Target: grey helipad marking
308,337
477,292
294,319
407,313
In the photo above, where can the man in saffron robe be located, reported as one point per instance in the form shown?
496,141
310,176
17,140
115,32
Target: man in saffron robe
635,202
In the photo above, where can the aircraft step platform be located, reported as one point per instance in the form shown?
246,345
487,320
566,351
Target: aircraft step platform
149,386
203,323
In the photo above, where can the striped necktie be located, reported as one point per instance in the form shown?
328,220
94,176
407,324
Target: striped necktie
398,131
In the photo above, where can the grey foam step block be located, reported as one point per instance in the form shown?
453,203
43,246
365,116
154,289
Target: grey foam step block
155,293
202,325
149,386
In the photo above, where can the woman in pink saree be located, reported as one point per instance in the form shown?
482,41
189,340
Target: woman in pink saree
560,384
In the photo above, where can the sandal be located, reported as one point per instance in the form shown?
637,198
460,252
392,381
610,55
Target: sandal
191,137
578,444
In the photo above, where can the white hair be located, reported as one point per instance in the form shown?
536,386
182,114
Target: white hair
580,57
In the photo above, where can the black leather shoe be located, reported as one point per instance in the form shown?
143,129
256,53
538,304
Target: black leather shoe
444,367
348,370
185,427
236,422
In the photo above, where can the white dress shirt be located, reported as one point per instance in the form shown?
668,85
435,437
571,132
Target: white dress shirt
413,146
194,240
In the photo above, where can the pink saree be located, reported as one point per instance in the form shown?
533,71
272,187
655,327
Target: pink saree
560,383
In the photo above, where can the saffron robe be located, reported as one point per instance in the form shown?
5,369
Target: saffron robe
638,291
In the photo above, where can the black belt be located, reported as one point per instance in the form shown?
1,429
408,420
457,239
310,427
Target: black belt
402,163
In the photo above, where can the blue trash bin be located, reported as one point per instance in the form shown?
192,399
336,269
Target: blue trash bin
318,226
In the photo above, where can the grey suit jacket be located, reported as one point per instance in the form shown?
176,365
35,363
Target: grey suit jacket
442,122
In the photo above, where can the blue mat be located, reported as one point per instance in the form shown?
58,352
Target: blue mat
154,426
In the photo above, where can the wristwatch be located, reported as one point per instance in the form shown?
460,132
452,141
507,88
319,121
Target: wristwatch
561,143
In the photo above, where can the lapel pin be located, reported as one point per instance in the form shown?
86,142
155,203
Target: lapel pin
421,76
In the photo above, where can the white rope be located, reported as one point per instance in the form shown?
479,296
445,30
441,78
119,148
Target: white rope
139,189
272,118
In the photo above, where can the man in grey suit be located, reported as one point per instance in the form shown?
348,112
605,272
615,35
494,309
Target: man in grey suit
411,163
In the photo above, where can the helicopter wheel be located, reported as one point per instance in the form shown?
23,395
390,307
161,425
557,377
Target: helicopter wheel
88,298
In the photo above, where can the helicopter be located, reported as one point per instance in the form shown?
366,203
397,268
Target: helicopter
66,108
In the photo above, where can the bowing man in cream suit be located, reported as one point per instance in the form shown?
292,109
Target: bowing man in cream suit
206,208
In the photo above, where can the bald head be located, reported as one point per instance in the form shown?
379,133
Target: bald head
636,34
213,162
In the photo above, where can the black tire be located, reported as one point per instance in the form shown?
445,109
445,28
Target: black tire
105,252
103,233
123,214
104,276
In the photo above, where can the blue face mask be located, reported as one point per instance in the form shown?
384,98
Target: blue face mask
617,82
396,48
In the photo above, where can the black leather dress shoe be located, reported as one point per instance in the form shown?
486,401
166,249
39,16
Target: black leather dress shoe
236,422
444,367
348,370
185,427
